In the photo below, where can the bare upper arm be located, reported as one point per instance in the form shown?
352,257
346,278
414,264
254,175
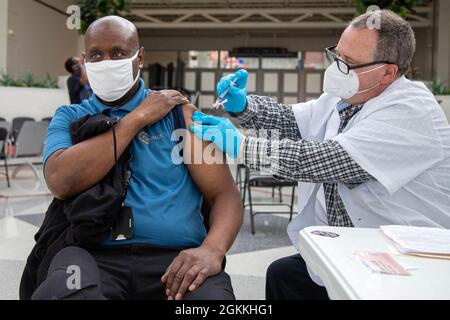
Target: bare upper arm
50,177
50,161
206,164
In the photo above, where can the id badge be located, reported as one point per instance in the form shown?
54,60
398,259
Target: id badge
123,229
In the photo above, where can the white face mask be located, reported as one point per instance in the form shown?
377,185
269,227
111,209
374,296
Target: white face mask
343,85
112,79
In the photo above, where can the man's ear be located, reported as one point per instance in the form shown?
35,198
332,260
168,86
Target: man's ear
141,56
83,58
390,74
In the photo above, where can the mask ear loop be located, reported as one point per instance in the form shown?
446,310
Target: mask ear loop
137,76
367,71
141,65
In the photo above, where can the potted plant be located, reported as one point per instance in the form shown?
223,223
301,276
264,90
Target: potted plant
442,93
30,96
28,80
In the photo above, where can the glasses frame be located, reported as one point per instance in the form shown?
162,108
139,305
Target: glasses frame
330,54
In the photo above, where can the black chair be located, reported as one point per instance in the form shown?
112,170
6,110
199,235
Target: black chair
240,182
239,177
3,140
17,125
2,119
47,119
265,181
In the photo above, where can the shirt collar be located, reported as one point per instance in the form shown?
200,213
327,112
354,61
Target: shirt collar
342,104
135,101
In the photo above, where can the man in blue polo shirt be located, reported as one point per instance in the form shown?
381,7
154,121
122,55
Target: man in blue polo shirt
171,255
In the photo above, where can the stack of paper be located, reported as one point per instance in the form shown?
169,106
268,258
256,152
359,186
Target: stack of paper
422,241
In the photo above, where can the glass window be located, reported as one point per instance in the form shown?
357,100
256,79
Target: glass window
203,59
271,82
189,80
281,63
313,82
227,62
290,82
207,81
315,60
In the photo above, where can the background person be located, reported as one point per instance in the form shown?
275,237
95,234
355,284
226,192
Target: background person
77,83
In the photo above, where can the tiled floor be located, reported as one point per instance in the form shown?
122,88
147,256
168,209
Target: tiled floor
22,210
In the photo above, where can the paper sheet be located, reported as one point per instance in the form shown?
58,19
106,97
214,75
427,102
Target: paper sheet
419,240
381,262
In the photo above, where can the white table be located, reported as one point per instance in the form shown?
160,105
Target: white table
332,260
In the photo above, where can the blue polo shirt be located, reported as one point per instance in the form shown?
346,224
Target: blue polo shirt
165,201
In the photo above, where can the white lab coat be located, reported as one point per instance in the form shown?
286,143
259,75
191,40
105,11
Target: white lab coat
402,138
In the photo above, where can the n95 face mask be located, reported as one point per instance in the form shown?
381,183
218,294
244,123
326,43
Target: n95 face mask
343,85
111,79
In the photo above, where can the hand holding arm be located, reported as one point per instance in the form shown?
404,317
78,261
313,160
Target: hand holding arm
72,170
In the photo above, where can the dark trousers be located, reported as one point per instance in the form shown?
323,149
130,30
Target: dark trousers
122,273
288,279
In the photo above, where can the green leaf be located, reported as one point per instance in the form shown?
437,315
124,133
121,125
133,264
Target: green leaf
439,88
28,80
49,82
402,7
92,10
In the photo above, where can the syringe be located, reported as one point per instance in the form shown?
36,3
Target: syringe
219,103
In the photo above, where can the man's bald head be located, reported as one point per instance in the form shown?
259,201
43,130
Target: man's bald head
112,28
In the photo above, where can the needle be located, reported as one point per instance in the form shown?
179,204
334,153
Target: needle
214,108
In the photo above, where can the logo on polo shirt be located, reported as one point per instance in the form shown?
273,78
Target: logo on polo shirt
145,138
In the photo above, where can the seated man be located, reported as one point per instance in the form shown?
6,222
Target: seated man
171,255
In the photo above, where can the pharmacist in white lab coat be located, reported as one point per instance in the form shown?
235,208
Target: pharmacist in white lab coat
374,149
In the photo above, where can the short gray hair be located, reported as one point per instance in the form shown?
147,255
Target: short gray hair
396,40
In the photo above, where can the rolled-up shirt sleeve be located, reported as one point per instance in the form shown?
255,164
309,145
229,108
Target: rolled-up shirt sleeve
303,160
58,132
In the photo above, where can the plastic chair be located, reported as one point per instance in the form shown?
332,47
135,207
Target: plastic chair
17,125
29,145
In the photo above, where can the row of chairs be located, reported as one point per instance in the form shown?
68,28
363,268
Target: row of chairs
22,143
17,124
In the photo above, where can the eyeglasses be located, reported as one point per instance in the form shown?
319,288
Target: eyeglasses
343,66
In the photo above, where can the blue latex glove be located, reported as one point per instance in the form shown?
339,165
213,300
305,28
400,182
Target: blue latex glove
218,130
237,96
